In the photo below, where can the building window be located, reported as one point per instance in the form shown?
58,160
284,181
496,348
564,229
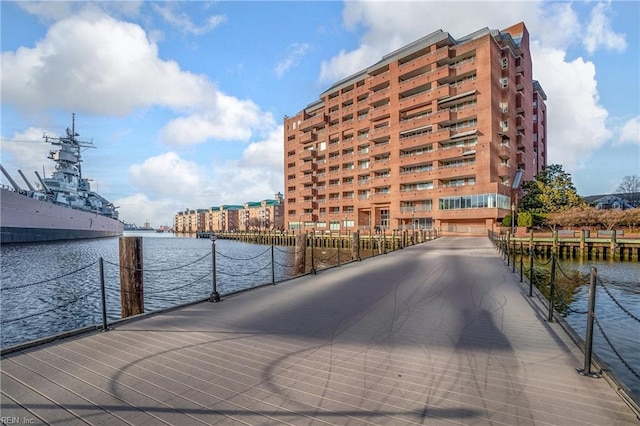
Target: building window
504,82
505,63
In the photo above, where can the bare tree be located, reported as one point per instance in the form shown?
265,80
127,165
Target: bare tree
629,188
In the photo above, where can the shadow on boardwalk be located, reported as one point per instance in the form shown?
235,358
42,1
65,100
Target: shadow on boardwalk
439,333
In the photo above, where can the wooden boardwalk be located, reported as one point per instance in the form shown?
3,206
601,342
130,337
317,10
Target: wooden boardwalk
440,333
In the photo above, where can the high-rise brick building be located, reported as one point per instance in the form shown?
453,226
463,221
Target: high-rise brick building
439,133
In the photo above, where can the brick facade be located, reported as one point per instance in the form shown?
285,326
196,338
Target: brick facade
433,135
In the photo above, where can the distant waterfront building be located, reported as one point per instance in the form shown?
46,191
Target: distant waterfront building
439,133
260,215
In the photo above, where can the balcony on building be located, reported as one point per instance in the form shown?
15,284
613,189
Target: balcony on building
308,204
416,78
379,111
308,154
379,95
520,140
308,137
314,122
519,102
520,122
422,58
308,191
380,133
417,97
307,167
379,146
307,179
380,77
519,82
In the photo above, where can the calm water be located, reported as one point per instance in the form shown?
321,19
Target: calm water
622,280
36,304
177,270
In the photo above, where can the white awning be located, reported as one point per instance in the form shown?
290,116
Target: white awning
417,129
463,134
460,96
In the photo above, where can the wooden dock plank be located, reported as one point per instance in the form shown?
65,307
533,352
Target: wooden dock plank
441,333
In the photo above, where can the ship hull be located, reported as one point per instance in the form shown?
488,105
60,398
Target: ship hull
26,220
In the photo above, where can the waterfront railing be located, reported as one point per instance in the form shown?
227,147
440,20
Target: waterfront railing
94,307
542,273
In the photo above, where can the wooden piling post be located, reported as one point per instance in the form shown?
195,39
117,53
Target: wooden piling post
355,245
613,244
301,253
131,284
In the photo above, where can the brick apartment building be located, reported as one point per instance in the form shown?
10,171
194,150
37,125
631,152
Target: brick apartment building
439,133
262,215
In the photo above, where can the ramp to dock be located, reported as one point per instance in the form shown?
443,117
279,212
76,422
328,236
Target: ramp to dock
440,333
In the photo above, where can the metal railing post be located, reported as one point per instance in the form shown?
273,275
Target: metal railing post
215,296
273,266
531,254
588,345
313,243
521,262
553,286
103,295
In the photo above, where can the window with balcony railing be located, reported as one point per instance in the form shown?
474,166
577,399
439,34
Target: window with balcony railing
457,163
462,143
417,169
416,133
379,175
416,116
416,151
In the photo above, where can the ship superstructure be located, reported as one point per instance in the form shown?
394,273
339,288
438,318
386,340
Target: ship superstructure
63,206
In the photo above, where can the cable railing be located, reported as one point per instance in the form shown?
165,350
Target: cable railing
544,273
95,306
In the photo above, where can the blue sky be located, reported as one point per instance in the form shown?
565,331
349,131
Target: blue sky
185,101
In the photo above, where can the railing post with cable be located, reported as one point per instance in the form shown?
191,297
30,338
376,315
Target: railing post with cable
586,371
103,295
552,285
531,254
313,243
273,266
521,261
215,296
508,247
514,256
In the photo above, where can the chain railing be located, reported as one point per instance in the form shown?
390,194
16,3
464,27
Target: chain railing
547,288
257,270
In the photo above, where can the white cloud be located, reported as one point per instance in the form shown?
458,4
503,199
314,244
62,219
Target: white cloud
268,153
226,118
388,28
576,120
172,184
630,131
599,32
183,22
27,151
138,209
576,124
166,175
117,70
293,55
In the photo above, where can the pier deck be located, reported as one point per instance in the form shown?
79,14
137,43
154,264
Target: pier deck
439,333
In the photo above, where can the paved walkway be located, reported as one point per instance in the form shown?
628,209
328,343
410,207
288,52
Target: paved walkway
440,334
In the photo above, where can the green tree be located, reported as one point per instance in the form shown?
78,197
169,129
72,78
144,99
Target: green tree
550,190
